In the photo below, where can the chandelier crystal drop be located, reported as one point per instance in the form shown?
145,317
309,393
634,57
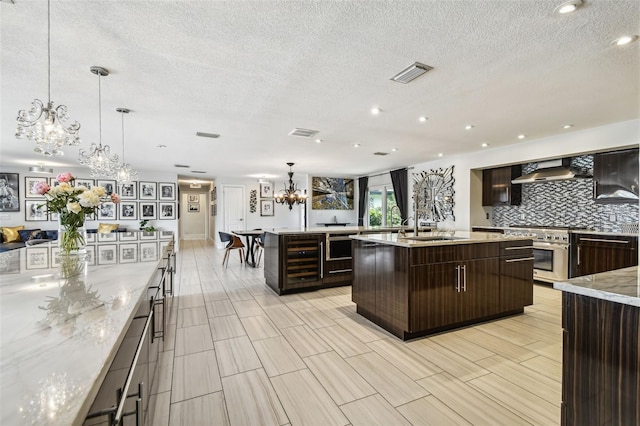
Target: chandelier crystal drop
124,174
44,123
99,158
291,195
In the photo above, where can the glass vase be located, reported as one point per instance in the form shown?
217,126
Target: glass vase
72,235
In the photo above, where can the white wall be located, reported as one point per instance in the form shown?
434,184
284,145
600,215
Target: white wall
468,186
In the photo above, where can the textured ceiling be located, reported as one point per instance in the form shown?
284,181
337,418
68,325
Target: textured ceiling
253,71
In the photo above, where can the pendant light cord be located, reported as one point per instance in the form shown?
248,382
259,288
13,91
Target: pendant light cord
99,109
122,113
49,49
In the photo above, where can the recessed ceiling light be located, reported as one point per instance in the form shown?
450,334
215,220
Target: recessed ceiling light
484,144
394,149
522,136
375,110
318,140
423,119
440,154
568,7
356,145
468,127
161,146
40,168
567,126
624,40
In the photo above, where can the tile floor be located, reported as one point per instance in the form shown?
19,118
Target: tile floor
238,354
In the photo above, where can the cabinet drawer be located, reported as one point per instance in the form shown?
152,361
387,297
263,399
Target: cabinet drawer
453,253
518,248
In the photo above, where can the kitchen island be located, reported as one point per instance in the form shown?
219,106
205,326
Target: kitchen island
71,326
415,286
601,348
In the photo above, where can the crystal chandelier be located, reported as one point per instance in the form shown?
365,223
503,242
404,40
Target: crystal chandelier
124,174
99,158
44,123
291,195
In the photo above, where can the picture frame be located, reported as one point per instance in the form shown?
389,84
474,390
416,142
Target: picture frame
148,235
107,211
128,253
107,254
128,210
87,183
35,211
166,235
329,193
10,262
147,210
266,189
54,255
266,207
29,183
194,198
167,191
167,211
108,185
37,258
129,191
215,210
147,190
53,216
148,252
10,188
128,236
53,182
193,208
91,255
108,237
91,237
214,193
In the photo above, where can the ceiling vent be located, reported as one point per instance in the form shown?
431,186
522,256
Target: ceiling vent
197,171
410,73
208,135
382,154
303,133
184,166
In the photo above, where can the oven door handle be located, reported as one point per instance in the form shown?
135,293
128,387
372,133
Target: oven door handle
524,259
550,245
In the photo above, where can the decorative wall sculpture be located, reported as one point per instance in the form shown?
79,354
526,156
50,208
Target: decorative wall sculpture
433,192
253,200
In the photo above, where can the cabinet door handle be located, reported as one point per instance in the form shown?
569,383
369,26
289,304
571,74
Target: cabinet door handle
578,256
602,240
458,278
464,277
339,271
321,258
507,188
524,259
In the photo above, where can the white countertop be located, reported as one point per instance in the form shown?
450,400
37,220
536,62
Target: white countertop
337,229
620,286
610,234
59,336
448,238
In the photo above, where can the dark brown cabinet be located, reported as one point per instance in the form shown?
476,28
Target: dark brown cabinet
596,253
497,188
516,275
615,177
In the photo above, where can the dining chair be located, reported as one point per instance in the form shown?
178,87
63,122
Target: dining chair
259,247
233,243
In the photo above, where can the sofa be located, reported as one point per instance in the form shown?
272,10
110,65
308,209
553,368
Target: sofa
37,236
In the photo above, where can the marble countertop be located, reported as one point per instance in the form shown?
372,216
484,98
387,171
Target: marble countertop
610,234
60,334
338,230
620,286
438,238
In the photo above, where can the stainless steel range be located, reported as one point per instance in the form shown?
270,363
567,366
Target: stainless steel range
550,251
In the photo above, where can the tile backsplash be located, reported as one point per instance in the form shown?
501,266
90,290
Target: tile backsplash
565,203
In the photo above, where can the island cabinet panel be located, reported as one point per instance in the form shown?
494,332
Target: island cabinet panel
516,275
453,253
601,362
600,253
364,275
392,290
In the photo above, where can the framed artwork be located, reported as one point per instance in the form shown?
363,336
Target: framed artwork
148,251
266,189
29,183
91,237
128,253
34,210
111,236
266,207
91,255
9,192
167,210
107,211
167,191
128,236
331,193
214,193
54,182
148,235
37,257
87,183
53,216
107,254
166,235
194,208
194,198
54,260
128,210
108,185
215,210
147,190
129,191
10,262
148,210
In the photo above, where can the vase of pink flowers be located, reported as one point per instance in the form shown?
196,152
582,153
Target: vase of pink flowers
72,204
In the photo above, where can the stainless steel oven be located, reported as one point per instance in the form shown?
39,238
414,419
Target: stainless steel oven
338,247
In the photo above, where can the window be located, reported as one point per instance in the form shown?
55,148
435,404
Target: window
382,207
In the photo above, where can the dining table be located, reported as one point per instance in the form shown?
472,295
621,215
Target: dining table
251,236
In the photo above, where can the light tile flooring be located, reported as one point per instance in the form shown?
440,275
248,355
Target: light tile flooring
236,353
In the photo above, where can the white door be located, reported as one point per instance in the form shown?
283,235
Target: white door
234,208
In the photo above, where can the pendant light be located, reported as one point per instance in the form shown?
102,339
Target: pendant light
124,174
291,195
99,158
43,123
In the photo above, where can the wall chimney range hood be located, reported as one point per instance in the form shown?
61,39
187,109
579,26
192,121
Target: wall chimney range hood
553,170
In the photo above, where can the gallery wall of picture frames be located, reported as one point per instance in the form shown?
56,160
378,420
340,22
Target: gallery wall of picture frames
138,200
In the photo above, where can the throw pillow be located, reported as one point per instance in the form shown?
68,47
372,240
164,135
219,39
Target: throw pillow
105,228
29,234
10,233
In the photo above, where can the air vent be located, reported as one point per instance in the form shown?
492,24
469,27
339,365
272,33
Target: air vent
197,171
382,154
208,135
410,73
303,133
184,166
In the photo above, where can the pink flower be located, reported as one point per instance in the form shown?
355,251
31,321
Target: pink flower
115,198
41,188
64,177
